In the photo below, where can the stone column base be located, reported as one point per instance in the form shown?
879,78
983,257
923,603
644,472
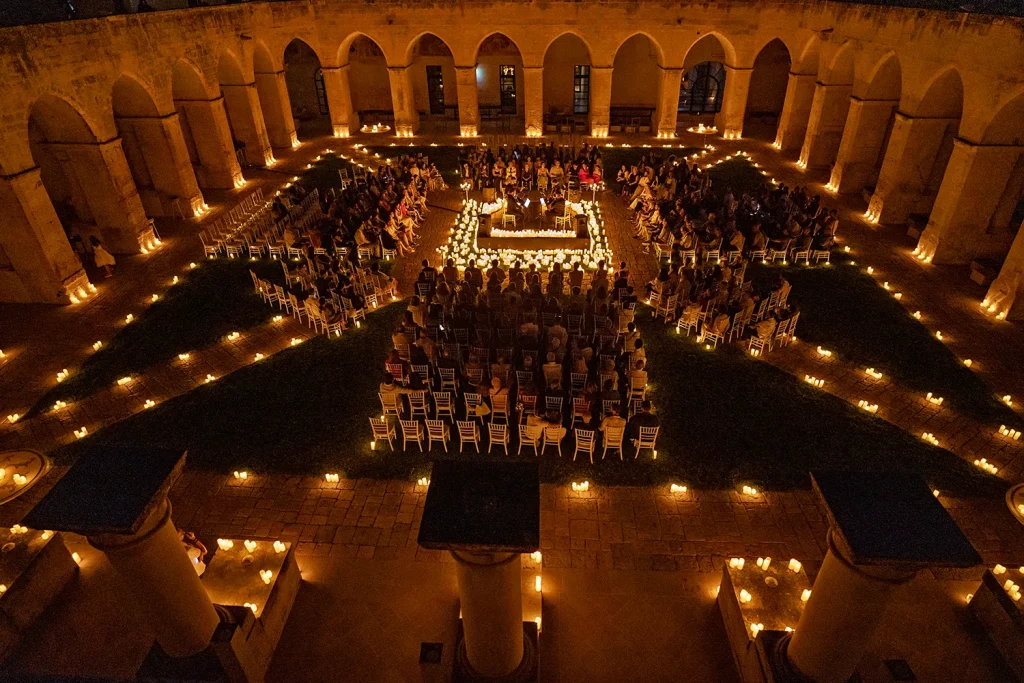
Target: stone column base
527,672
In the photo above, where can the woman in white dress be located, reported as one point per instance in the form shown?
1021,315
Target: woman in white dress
101,256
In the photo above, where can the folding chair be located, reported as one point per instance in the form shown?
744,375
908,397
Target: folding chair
412,430
444,406
584,443
525,439
391,404
383,431
648,435
498,434
437,430
613,440
418,404
468,432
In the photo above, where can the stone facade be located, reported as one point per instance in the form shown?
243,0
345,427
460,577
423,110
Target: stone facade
867,85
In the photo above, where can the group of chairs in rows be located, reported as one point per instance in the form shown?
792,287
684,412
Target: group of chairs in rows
433,413
257,233
775,251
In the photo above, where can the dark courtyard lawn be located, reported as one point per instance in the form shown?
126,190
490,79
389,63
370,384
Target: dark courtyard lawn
847,311
727,420
206,304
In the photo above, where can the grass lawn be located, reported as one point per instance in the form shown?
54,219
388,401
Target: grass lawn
727,420
206,304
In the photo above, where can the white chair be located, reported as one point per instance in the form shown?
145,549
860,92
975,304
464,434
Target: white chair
473,401
613,440
437,430
713,338
580,410
819,254
759,345
298,309
648,435
584,443
418,404
382,430
526,440
468,433
690,320
802,255
508,218
444,405
412,430
498,434
447,378
564,222
391,404
578,381
499,407
553,404
553,434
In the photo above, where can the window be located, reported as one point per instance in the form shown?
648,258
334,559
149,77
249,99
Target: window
321,91
507,85
703,88
435,89
581,89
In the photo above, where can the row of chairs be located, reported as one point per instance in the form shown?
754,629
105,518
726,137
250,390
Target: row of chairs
469,432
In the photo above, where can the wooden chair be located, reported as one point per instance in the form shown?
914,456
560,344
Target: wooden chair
468,433
648,436
525,440
391,403
553,435
412,430
613,440
444,405
584,443
499,407
418,404
498,434
437,430
382,430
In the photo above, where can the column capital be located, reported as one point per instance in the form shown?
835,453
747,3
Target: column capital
238,85
793,74
200,99
730,67
343,67
529,67
596,67
398,69
671,69
978,146
18,175
158,117
277,73
464,68
97,144
865,102
903,116
826,86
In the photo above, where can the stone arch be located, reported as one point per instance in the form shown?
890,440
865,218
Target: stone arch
1007,126
369,79
500,80
562,56
702,88
130,98
86,179
306,88
204,125
767,94
263,59
840,69
809,60
885,80
943,96
432,70
636,74
712,46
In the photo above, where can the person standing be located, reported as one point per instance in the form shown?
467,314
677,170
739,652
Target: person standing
101,256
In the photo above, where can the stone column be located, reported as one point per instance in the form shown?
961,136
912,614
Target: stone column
103,181
910,158
213,156
153,565
972,186
43,267
407,119
157,145
1002,293
795,112
246,116
861,144
600,100
825,125
533,83
490,594
344,120
469,108
667,114
840,618
729,120
277,108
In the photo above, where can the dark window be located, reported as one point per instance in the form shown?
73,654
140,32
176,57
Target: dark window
703,88
321,92
581,89
435,89
507,85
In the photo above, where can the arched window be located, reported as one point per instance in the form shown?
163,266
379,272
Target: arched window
321,91
702,91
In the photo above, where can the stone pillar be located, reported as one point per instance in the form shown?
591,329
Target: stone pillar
490,594
825,125
910,158
277,108
40,264
729,120
156,147
407,120
840,618
246,117
1001,299
533,83
344,120
667,114
861,144
213,156
469,108
600,100
103,181
795,112
972,186
153,565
